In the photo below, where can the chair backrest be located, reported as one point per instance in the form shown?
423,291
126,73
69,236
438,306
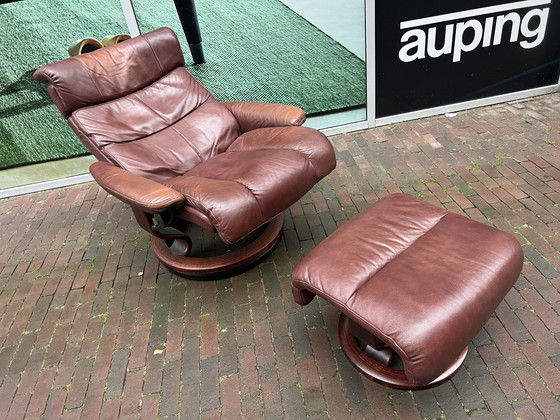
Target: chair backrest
134,105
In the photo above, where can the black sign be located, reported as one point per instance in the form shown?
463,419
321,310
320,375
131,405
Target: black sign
430,53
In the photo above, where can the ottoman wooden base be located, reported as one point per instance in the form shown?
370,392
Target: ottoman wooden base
413,279
379,371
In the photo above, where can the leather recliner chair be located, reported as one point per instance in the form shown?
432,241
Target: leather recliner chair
178,157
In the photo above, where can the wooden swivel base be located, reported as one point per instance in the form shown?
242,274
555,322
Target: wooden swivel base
376,370
175,255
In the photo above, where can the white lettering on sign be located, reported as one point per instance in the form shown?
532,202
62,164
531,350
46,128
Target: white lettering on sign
474,28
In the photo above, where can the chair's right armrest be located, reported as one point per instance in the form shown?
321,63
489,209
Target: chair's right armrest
135,190
251,115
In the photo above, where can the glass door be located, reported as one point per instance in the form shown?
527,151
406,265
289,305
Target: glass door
308,53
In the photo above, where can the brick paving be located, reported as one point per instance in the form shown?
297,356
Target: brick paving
92,326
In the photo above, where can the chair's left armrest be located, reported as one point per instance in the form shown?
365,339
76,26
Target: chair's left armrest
139,192
251,115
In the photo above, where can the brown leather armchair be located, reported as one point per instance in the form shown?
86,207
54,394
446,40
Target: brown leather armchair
179,157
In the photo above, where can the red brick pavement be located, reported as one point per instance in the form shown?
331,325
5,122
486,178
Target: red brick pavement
92,326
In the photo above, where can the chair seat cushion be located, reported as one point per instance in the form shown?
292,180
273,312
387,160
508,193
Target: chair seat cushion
263,172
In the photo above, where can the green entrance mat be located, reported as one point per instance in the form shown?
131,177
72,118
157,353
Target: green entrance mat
255,50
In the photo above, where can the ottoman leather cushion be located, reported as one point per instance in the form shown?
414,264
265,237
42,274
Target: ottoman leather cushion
422,279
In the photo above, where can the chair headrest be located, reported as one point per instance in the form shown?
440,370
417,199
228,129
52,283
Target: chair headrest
111,72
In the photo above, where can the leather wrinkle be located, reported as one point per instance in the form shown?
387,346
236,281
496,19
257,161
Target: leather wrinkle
187,141
394,257
252,194
244,186
169,123
158,114
356,317
155,56
307,156
88,71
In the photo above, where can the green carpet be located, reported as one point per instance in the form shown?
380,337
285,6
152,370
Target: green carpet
256,50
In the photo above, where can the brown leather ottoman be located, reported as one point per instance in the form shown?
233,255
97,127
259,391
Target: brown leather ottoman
412,279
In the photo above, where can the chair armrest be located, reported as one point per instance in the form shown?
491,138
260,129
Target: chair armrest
137,191
251,115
